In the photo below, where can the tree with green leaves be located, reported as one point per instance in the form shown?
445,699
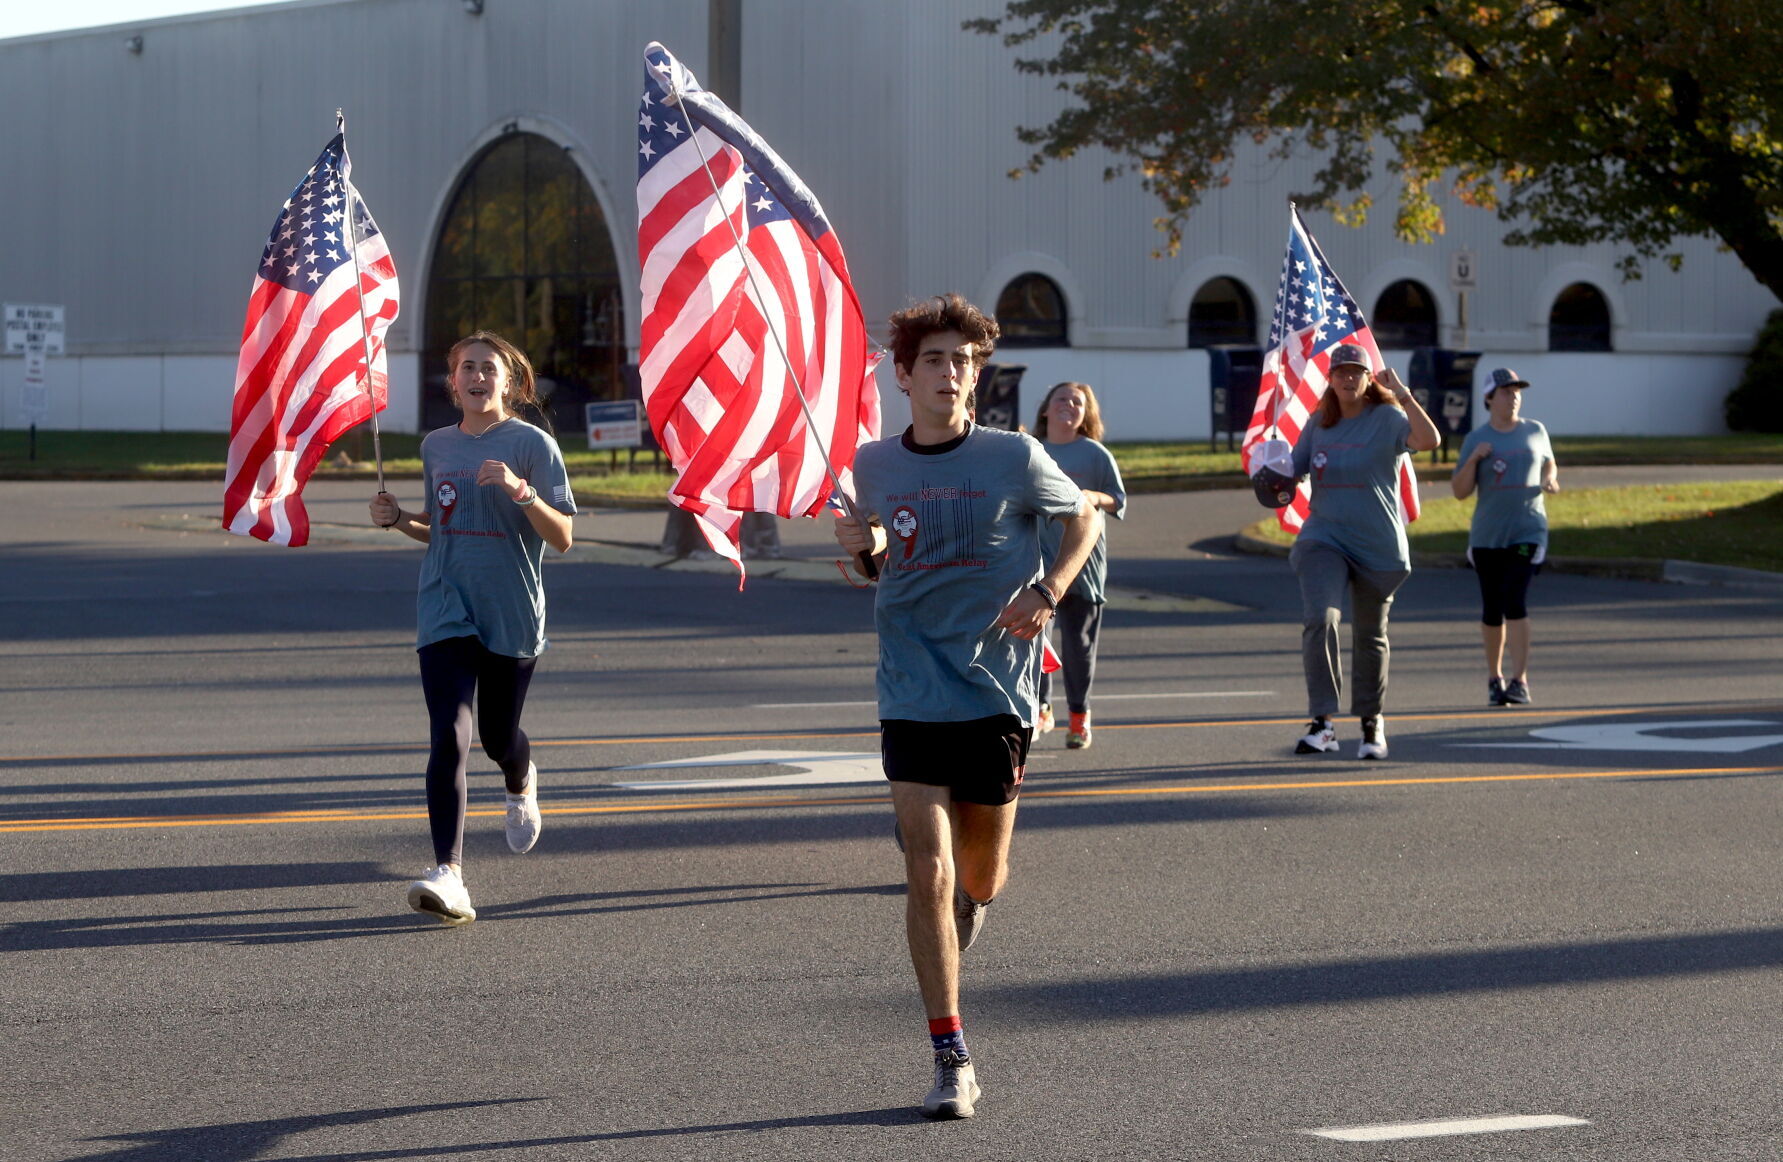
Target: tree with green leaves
1636,122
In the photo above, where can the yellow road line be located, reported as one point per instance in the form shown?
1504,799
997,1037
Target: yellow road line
637,807
1501,715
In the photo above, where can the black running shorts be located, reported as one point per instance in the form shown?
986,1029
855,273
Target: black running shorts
980,761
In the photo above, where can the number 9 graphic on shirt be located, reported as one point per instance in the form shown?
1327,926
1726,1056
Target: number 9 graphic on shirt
904,525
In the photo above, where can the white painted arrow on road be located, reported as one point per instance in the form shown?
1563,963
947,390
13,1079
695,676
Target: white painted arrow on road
1642,736
811,768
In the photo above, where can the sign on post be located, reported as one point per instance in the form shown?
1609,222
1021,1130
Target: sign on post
1464,270
35,325
614,424
34,400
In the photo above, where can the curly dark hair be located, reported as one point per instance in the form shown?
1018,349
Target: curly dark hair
948,312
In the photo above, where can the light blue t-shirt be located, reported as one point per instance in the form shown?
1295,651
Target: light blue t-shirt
1354,466
964,539
480,577
1090,466
1508,483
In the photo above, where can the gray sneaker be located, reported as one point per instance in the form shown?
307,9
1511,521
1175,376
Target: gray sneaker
524,821
1495,692
441,892
1516,693
968,919
956,1087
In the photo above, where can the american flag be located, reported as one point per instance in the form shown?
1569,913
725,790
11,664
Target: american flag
301,378
1313,314
721,395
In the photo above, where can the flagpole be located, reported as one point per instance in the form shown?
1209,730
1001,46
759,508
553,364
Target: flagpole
866,559
377,445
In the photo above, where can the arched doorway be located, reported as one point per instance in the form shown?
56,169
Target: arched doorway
1579,320
525,251
1031,313
1222,315
1405,316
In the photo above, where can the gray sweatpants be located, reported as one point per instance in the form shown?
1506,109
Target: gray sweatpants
1079,622
1324,575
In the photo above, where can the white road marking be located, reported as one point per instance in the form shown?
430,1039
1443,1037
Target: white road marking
1099,698
1640,736
811,768
1394,1131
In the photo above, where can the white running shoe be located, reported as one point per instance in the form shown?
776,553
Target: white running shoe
1045,723
969,916
1374,739
956,1087
524,821
1320,737
441,893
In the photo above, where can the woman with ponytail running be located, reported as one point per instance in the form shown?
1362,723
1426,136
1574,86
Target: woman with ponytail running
497,493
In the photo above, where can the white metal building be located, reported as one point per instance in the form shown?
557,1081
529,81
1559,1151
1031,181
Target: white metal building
494,142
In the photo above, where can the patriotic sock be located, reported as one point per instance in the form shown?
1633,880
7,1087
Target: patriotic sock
946,1035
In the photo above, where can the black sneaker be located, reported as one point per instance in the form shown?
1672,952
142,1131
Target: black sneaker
1516,693
1495,692
1320,738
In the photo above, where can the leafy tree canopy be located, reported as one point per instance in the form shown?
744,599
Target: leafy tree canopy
1628,121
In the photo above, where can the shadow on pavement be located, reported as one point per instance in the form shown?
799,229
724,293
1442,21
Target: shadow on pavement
30,887
320,923
1174,995
239,1141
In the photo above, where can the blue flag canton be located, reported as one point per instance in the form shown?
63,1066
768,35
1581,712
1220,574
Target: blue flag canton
1311,296
662,128
308,242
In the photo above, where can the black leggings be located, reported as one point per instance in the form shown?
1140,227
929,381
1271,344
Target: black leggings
451,672
1504,582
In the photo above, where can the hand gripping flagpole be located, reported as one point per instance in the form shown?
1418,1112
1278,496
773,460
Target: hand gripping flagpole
672,96
377,446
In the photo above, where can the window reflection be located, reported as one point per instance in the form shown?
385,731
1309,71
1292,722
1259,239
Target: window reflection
1579,320
1031,313
525,250
1405,316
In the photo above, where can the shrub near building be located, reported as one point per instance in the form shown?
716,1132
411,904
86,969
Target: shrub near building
1756,405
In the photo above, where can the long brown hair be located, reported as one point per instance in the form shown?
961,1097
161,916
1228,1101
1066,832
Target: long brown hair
523,383
1092,412
1330,411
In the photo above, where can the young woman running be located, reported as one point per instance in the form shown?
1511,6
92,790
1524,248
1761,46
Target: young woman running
1353,539
1511,463
498,493
1069,427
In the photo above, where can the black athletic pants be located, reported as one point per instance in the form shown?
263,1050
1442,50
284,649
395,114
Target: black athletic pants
454,671
1504,582
1080,624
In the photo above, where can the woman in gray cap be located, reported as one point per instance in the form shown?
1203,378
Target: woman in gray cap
1510,463
1353,539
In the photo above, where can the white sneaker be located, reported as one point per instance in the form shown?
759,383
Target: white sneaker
524,822
441,893
1374,739
968,917
1044,723
956,1087
1320,737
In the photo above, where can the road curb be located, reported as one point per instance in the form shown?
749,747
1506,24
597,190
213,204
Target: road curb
1622,568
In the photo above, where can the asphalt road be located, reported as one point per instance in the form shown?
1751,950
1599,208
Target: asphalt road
210,799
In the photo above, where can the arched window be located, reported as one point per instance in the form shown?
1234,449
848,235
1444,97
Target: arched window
1405,316
1031,313
1222,314
525,251
1579,320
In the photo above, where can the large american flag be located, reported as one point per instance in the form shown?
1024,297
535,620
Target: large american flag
721,396
1313,314
301,378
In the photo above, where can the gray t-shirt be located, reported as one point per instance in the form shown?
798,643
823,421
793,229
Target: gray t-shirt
1091,466
1508,483
964,538
480,577
1354,466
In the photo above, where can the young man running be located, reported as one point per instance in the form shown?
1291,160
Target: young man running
962,603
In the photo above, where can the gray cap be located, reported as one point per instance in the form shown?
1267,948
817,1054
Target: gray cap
1504,377
1345,353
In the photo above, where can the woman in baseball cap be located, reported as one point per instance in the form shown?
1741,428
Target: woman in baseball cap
1353,539
1510,464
